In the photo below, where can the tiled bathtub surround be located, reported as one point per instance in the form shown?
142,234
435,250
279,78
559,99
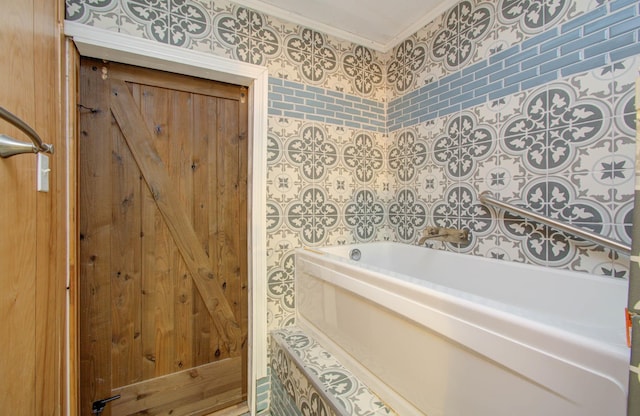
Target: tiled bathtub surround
366,146
316,381
533,101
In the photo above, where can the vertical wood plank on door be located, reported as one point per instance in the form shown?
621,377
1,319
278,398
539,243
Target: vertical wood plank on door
180,130
125,264
159,298
204,136
150,221
151,269
228,207
216,348
95,239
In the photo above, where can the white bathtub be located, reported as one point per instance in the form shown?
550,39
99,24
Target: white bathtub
439,333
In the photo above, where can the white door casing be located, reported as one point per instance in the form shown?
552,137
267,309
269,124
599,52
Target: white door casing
117,47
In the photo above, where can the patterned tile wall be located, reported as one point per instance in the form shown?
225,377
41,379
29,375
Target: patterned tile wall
531,100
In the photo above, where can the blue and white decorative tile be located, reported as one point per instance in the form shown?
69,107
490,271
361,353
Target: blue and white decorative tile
617,268
500,38
364,72
625,110
579,7
280,244
409,57
407,215
350,394
277,316
177,23
555,198
553,125
104,14
462,144
284,179
313,215
624,74
306,398
407,155
623,219
600,261
465,24
385,185
284,183
340,185
275,216
499,247
275,150
363,157
280,282
248,34
611,171
339,236
461,209
364,215
532,16
311,151
312,54
431,183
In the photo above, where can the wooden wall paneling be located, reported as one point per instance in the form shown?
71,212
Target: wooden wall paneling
50,213
33,224
95,247
18,219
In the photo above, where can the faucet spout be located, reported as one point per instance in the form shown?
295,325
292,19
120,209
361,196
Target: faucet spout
449,235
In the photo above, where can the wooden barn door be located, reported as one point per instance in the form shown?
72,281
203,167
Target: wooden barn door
163,242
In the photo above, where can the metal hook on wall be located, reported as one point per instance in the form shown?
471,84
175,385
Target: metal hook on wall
11,147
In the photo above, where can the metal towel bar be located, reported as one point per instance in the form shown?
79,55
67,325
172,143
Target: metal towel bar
11,147
488,199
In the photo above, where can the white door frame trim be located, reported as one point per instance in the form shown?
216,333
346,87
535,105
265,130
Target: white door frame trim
103,44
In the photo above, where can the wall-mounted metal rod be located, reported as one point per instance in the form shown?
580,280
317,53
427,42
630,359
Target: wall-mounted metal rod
11,147
488,199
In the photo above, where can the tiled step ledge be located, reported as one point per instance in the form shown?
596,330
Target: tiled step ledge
316,380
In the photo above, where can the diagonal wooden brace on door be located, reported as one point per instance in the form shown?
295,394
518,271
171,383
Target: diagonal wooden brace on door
140,142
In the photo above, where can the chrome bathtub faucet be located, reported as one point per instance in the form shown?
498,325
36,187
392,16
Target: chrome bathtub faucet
449,235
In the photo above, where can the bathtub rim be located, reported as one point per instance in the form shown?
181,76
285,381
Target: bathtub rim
406,281
586,354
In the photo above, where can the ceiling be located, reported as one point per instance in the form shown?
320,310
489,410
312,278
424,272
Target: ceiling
378,24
